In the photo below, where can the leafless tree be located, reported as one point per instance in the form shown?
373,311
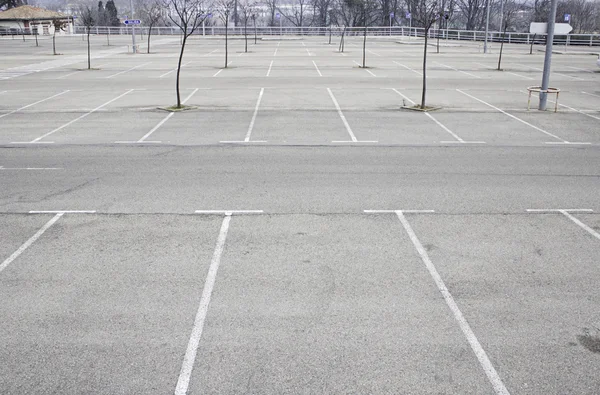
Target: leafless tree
297,14
152,15
225,9
428,15
247,11
187,15
322,12
88,20
59,25
510,9
272,7
471,11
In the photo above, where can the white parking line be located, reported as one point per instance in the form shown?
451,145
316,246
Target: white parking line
128,70
33,104
553,72
590,94
562,141
30,168
260,95
37,140
189,359
1,92
515,74
577,68
308,52
318,71
353,138
218,72
252,121
270,66
374,53
566,213
408,68
455,69
154,129
29,242
367,70
458,139
478,350
175,69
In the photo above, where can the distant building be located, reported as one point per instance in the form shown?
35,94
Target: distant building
34,19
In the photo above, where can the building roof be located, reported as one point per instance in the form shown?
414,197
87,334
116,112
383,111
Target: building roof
27,12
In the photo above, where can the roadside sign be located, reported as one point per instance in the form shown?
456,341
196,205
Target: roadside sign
408,16
542,28
567,17
132,22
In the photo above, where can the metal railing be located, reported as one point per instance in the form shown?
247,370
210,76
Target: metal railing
394,32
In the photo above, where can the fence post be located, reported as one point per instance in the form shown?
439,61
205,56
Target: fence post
591,39
474,36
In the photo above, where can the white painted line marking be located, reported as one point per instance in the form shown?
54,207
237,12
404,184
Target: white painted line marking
318,71
128,70
175,69
577,68
229,212
211,52
308,52
370,72
270,66
458,139
33,104
217,73
63,211
552,72
304,45
480,353
341,114
29,242
30,168
350,142
3,92
408,68
374,53
260,95
192,349
590,94
566,213
242,142
394,211
275,53
513,117
515,74
78,118
154,129
455,69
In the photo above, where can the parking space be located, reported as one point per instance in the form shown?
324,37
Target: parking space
302,301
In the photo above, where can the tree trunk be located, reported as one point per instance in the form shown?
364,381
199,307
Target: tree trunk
255,32
226,35
36,39
531,47
149,34
424,71
501,47
179,70
246,35
329,35
54,43
365,46
88,47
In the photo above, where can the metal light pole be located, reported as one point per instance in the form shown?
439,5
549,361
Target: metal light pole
487,27
134,50
548,57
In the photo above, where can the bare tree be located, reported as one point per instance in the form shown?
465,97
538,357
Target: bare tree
187,15
321,12
272,7
88,20
59,25
296,15
152,14
225,9
508,16
472,11
248,11
428,15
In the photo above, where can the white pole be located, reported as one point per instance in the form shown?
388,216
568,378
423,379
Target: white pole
548,56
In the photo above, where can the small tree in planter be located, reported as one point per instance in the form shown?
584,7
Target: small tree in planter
59,25
88,20
153,14
225,8
429,14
